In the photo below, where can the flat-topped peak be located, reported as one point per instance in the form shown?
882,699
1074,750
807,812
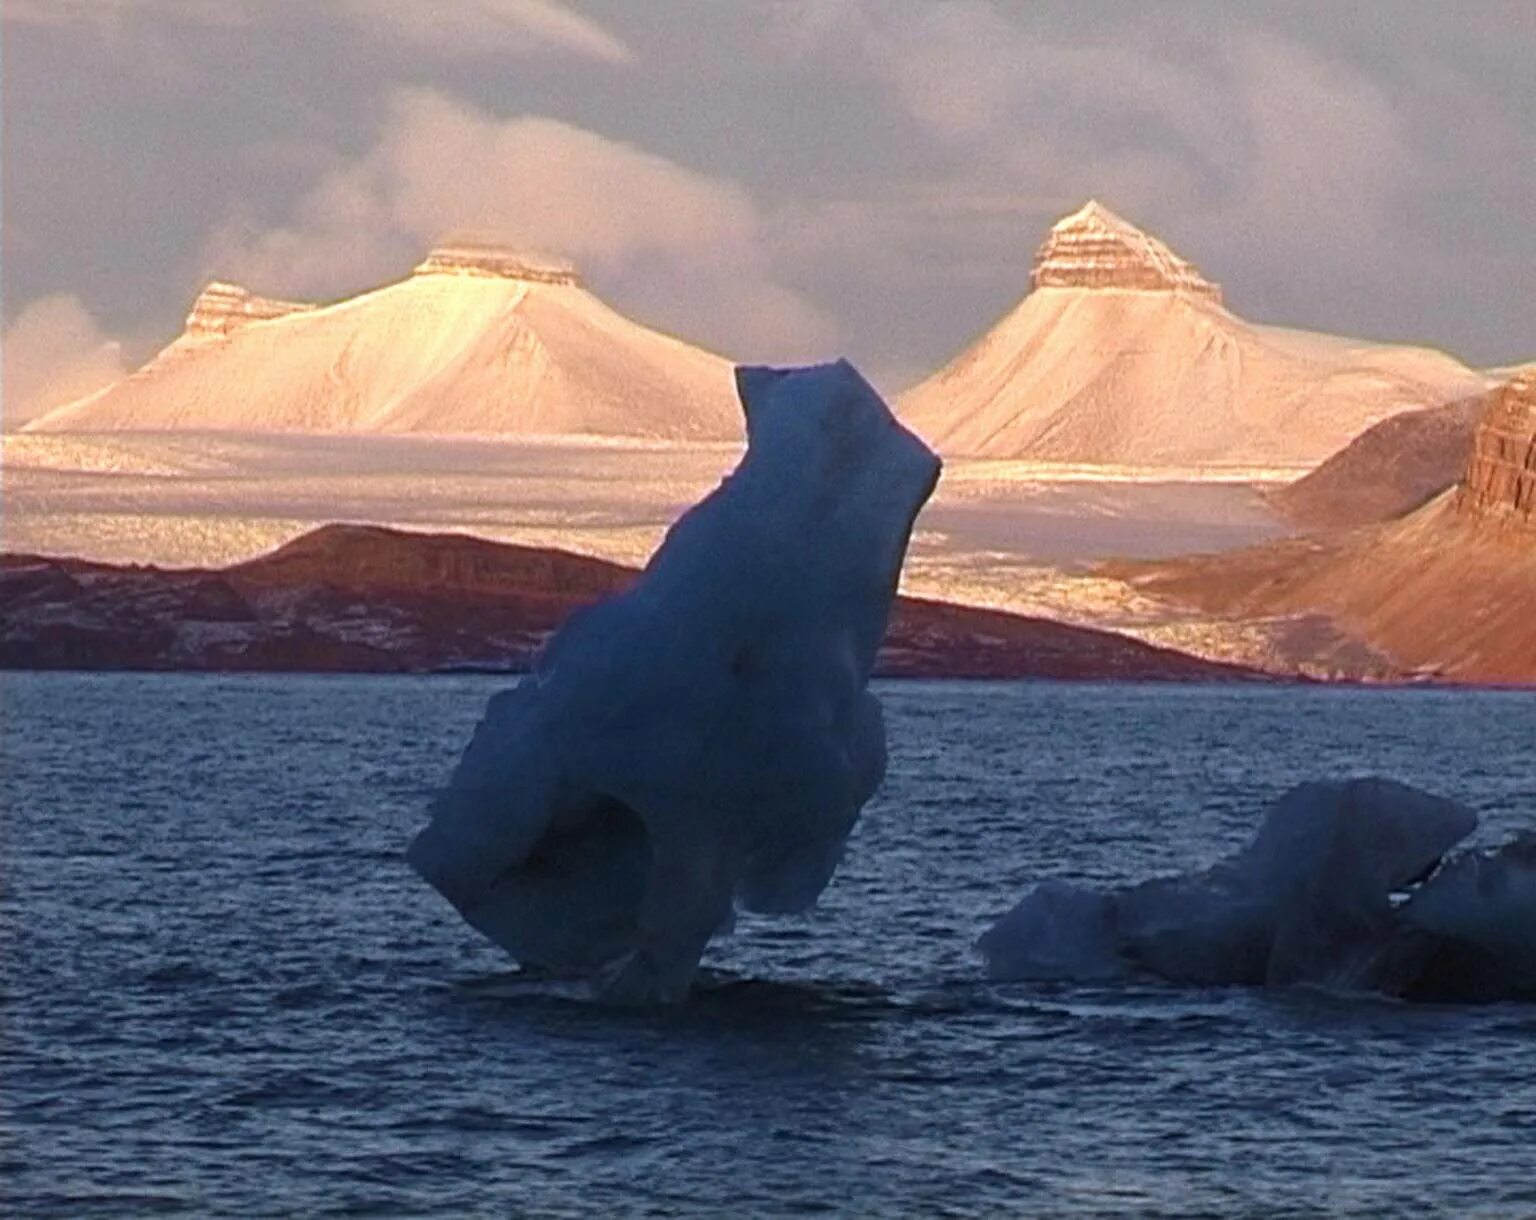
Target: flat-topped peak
455,350
222,307
1095,247
492,259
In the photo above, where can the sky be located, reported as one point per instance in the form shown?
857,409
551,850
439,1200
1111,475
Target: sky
777,181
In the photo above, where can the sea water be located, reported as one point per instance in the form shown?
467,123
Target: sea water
225,993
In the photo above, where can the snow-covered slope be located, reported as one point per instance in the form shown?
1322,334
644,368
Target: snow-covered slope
476,341
1123,354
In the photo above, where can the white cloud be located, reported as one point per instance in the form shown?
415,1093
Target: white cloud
51,354
681,249
486,27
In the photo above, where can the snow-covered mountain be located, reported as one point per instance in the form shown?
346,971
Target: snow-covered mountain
478,340
1123,354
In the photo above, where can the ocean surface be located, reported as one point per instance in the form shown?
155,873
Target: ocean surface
224,993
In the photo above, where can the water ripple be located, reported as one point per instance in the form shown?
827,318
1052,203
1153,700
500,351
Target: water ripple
223,992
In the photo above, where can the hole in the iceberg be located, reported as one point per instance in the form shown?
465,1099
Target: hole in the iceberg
588,837
573,902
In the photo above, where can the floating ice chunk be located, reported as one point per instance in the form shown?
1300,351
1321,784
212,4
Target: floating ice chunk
1382,836
1058,931
706,738
1309,900
1481,910
1329,858
1210,927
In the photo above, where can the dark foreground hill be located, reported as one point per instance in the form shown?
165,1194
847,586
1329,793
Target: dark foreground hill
349,598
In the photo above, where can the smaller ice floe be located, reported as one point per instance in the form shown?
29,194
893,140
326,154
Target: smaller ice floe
1478,914
705,739
1315,899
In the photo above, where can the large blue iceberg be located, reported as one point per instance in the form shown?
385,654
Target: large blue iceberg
1346,886
705,739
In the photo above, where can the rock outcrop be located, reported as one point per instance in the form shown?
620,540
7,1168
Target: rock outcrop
1094,248
1123,355
222,308
491,261
1500,483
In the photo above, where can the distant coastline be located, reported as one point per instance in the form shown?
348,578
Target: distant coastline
367,599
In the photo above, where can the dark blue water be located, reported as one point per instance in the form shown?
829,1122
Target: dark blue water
225,994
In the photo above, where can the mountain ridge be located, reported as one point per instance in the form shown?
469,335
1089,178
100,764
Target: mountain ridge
1388,470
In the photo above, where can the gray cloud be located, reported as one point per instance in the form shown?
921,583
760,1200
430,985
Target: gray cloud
871,174
462,28
485,28
1273,156
112,17
686,249
53,353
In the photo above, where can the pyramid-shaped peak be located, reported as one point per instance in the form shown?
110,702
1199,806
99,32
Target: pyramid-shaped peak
1094,247
1094,214
222,307
492,258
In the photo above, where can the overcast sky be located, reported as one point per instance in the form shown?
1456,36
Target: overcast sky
777,181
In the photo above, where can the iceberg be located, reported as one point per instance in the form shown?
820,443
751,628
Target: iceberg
706,739
1478,914
1314,899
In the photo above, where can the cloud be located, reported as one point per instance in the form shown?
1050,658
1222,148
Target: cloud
1325,144
455,29
681,249
1002,98
898,160
1281,168
51,354
108,16
473,28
